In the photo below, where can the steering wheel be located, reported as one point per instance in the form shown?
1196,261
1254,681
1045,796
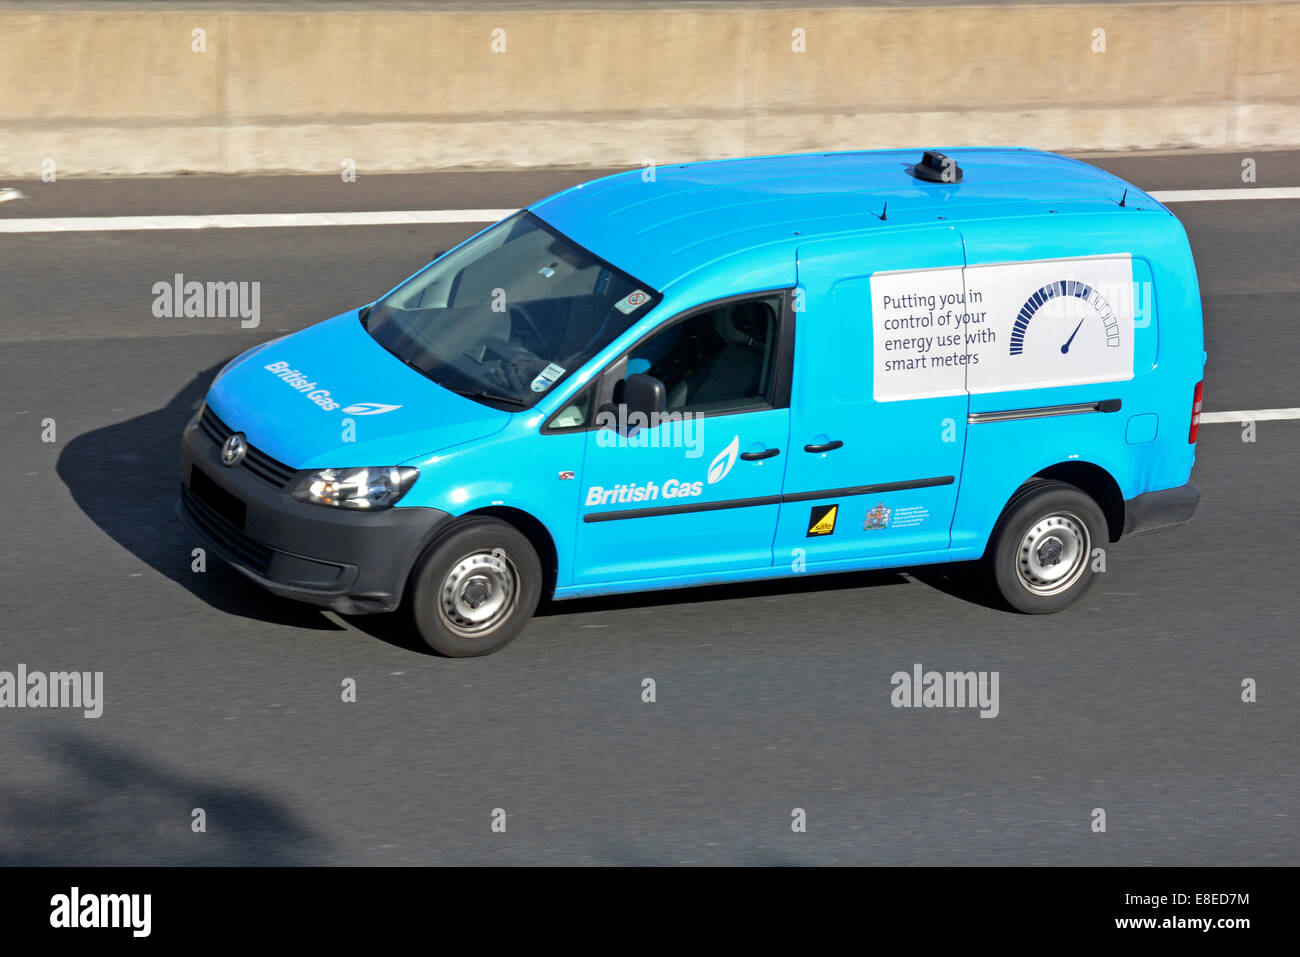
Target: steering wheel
514,309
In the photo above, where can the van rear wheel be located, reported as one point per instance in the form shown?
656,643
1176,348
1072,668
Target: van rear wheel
1041,554
475,589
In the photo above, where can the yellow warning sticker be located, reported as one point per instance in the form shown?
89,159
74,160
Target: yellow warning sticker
821,520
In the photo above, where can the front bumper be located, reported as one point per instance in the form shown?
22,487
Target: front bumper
1163,509
351,562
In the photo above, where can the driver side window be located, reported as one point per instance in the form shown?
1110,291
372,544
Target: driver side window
721,359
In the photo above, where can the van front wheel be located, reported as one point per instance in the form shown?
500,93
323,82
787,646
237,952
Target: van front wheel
1041,554
475,589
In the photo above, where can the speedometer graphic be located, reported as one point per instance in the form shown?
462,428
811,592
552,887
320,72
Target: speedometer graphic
1105,315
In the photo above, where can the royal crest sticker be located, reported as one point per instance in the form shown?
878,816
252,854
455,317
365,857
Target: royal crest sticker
877,518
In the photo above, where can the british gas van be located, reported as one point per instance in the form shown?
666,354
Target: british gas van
727,371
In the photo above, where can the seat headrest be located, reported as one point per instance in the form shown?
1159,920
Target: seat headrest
745,322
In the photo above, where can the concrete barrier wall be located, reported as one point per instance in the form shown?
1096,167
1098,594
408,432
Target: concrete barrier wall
125,91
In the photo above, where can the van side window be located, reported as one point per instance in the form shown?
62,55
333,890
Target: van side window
719,360
574,415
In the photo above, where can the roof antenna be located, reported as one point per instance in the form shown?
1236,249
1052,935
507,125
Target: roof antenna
1124,197
883,210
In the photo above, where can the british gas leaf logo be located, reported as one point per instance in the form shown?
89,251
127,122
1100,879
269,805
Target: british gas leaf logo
369,408
721,465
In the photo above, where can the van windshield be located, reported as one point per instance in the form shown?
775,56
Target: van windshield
509,314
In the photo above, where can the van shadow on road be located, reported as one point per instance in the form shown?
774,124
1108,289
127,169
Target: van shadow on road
125,478
108,805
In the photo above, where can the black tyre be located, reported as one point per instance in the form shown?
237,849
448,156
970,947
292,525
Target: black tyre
1040,555
475,589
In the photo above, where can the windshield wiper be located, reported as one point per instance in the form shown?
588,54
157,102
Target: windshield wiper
489,396
408,362
467,393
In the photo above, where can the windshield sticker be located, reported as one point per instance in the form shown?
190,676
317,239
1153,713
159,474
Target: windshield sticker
632,301
546,378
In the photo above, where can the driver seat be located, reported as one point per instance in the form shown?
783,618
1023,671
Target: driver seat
735,370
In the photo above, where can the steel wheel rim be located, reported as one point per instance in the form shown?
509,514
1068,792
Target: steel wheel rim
1053,554
478,593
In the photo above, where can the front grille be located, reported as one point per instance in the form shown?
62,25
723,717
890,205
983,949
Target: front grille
253,555
267,468
213,427
207,491
257,462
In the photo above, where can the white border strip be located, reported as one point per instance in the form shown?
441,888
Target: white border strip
1250,415
1222,195
398,217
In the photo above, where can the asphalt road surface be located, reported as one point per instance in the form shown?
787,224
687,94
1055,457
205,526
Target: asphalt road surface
769,698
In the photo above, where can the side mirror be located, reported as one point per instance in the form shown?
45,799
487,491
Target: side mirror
641,397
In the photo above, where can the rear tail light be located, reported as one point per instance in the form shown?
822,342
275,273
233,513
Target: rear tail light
1196,413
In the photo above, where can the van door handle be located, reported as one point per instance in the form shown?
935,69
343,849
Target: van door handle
755,456
826,447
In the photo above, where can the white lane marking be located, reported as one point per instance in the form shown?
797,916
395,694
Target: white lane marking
8,192
1221,195
398,217
1250,415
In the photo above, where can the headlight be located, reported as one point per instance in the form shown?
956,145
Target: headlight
355,488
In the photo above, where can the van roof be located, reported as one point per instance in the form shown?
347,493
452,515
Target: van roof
688,216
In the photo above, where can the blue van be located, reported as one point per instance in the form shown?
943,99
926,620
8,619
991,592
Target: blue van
725,371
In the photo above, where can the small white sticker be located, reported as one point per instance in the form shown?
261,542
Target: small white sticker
632,301
546,378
